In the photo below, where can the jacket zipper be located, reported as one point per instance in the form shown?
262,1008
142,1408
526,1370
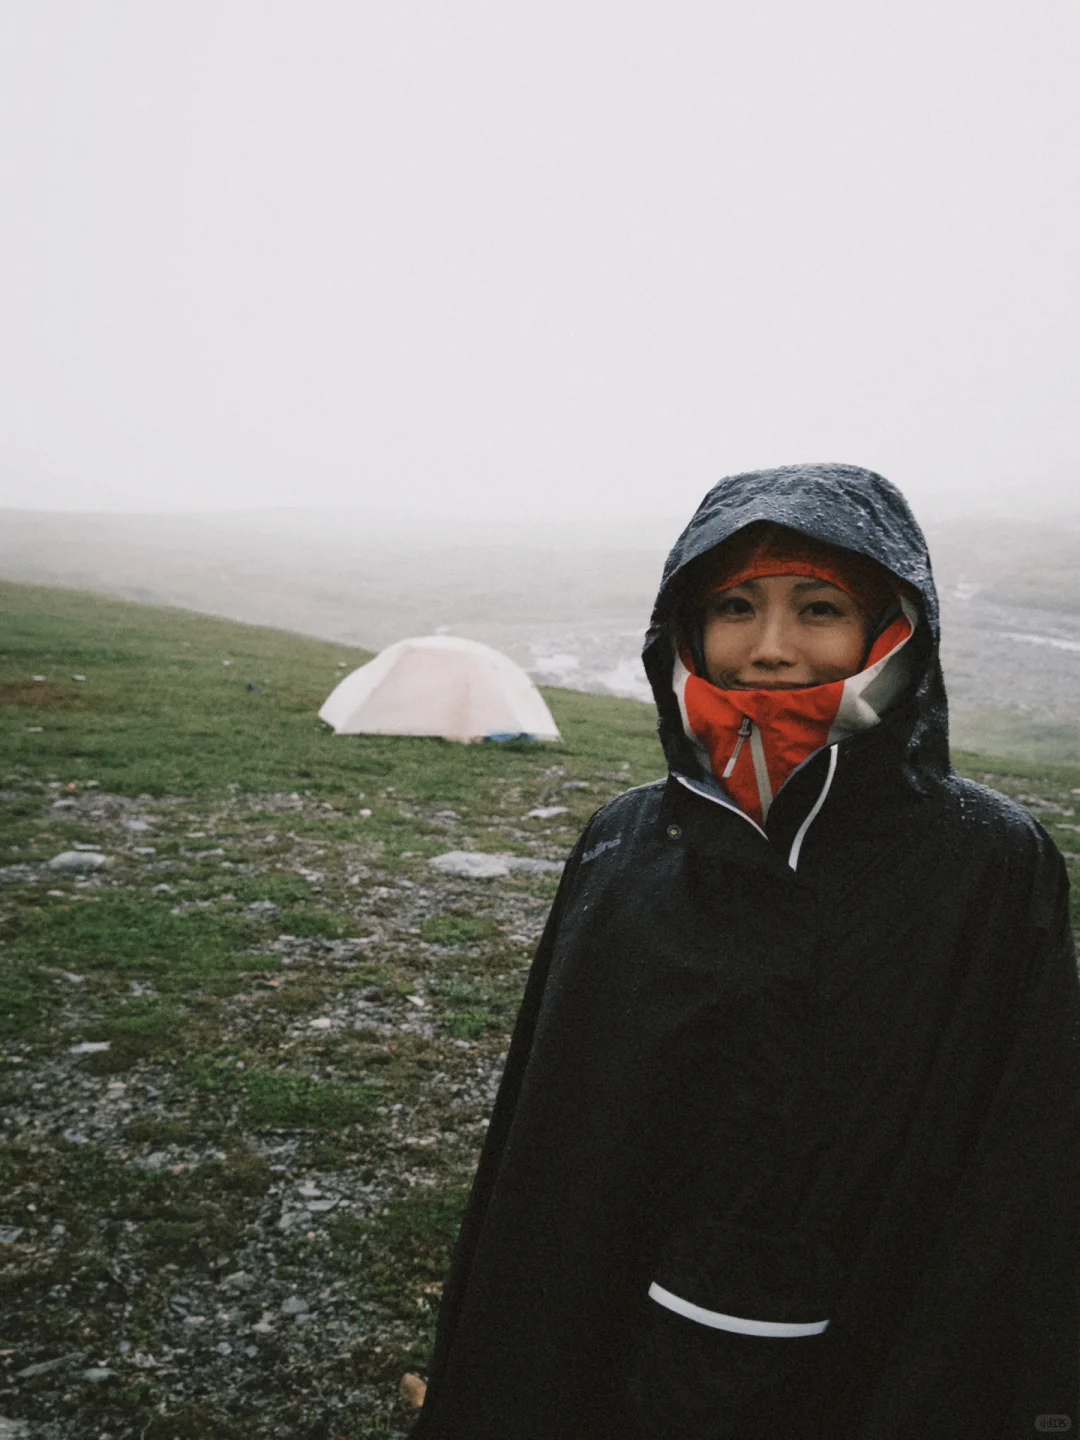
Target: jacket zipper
744,731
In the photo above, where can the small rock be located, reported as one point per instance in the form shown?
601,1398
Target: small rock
136,825
44,1366
371,994
546,812
194,1320
81,845
63,804
262,907
78,860
35,729
294,1305
78,677
472,864
364,814
97,1375
416,1000
240,1280
575,785
89,1047
223,1347
9,1234
323,1022
145,849
14,1429
298,1218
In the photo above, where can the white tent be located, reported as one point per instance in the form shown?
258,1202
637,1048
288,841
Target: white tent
439,685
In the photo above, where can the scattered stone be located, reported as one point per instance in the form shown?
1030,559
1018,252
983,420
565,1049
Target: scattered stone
223,1347
78,860
194,1320
9,1234
416,1000
81,845
324,1022
137,825
371,995
63,804
78,677
297,1218
240,1280
364,814
546,812
576,785
13,1429
534,867
89,1047
97,1375
262,907
35,729
294,1305
44,1366
145,849
471,864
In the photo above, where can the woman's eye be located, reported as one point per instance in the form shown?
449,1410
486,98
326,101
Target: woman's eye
732,605
822,609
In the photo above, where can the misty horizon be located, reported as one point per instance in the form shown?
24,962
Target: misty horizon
566,264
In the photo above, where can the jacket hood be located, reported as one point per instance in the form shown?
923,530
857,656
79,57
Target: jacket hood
842,505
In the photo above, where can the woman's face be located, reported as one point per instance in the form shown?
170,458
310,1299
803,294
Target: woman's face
783,632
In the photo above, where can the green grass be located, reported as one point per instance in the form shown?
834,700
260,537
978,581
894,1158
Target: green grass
160,713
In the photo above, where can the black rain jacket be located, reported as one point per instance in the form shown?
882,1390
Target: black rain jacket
825,1073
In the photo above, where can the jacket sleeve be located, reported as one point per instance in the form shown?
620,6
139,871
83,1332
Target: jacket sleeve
990,1343
495,1140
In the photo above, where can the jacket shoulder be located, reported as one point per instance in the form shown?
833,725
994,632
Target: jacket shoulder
626,814
1019,850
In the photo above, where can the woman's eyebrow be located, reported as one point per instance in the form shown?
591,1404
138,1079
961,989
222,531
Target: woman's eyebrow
813,584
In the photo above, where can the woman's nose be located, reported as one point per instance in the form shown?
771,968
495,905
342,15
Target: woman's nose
774,642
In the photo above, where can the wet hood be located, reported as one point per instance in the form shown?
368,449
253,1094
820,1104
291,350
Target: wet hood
842,505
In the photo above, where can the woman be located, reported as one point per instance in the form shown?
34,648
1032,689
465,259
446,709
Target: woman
785,1146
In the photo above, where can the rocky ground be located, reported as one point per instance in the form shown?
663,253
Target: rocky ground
227,1212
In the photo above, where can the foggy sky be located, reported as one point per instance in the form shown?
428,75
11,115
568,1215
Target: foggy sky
551,259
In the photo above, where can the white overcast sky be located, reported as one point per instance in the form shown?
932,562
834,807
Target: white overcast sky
545,259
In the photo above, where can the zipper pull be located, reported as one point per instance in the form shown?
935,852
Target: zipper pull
744,731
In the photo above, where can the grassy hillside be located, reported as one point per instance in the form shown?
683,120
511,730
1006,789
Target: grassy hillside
246,1064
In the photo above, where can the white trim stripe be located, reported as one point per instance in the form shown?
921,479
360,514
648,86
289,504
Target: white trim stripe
724,804
800,836
735,1323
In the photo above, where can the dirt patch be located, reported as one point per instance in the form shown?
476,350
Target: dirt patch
40,695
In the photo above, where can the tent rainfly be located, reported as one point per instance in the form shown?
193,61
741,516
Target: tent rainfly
439,685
